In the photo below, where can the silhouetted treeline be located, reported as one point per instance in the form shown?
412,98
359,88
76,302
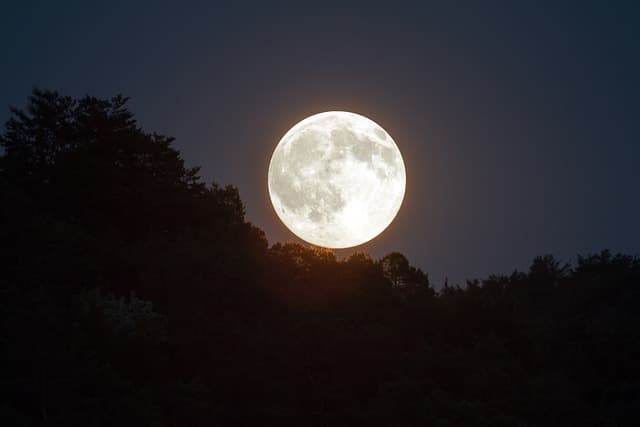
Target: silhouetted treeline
132,294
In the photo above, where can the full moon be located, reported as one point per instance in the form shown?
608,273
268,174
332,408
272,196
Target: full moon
336,179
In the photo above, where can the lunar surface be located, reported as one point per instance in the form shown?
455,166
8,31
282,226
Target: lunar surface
336,179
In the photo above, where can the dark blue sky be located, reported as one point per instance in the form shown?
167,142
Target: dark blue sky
519,124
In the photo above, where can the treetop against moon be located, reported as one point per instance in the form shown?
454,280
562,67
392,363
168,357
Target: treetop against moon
336,179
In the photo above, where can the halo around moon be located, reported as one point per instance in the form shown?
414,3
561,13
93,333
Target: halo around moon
336,179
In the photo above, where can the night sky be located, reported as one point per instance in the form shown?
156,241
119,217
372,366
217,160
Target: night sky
519,125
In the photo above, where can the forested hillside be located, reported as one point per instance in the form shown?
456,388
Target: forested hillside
134,294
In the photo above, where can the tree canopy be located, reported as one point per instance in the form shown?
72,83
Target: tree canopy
135,294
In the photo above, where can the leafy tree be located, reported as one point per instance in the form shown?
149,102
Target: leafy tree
546,270
403,276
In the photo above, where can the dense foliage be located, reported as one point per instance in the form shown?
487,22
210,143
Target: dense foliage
134,294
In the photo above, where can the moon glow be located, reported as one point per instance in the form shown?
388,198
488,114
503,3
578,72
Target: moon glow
336,179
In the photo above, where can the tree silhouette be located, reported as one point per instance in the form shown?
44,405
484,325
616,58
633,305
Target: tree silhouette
403,277
87,159
134,294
